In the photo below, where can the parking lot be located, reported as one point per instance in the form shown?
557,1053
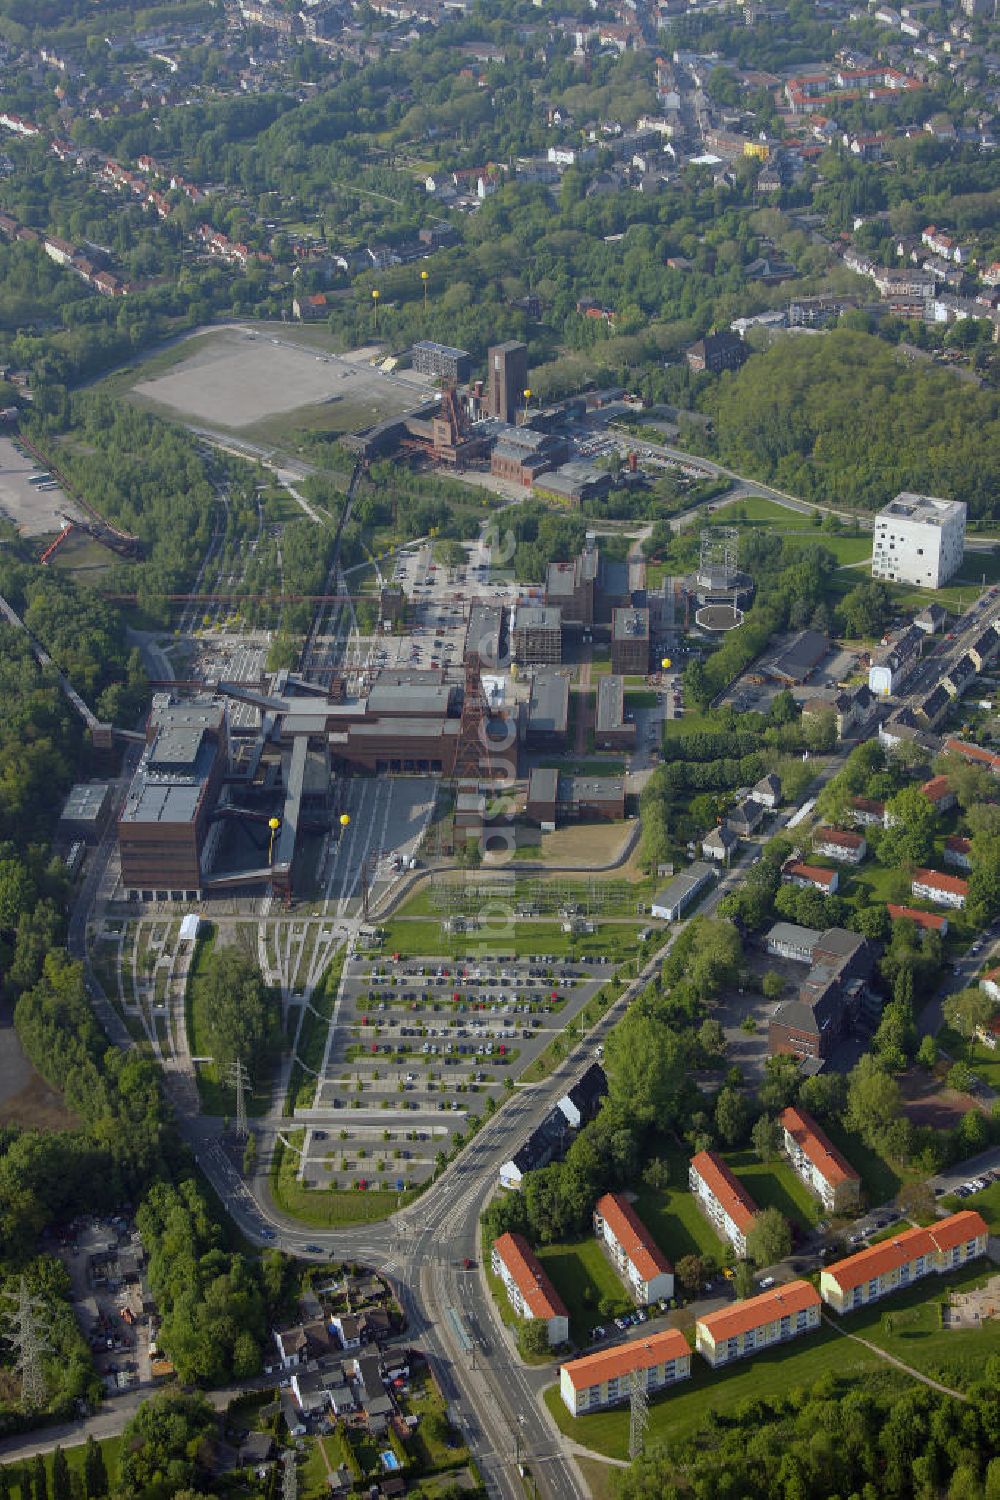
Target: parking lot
419,1045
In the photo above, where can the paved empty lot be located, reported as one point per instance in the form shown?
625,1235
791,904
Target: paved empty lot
235,379
34,511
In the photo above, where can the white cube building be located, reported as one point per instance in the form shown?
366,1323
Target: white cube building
919,540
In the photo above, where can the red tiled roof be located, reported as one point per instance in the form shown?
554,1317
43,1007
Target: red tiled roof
926,919
838,837
936,788
734,1198
973,752
957,844
810,872
937,882
633,1236
540,1296
868,805
889,1255
756,1312
817,1146
642,1354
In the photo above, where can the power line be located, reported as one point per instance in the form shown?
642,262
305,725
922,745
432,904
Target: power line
25,1331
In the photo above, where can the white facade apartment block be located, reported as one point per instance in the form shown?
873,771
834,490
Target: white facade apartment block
919,540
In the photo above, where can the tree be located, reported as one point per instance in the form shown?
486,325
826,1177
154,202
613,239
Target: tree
732,1113
95,1475
691,1273
927,1053
781,1082
61,1487
39,1478
711,1038
916,1201
766,1135
874,1101
770,1239
646,1065
161,1443
966,1010
533,1338
772,985
241,1017
913,822
743,1282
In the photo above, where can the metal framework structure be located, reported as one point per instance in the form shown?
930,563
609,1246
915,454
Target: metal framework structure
638,1413
472,758
719,555
239,1079
568,897
26,1332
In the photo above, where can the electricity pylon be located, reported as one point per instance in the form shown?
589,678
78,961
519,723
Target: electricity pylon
25,1331
239,1079
638,1413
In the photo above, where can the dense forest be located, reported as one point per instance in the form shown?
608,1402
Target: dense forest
845,421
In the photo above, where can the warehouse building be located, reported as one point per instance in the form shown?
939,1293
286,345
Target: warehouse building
87,812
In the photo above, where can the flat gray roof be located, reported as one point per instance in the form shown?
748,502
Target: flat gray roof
630,624
543,784
684,883
537,617
548,708
85,801
406,698
611,703
592,788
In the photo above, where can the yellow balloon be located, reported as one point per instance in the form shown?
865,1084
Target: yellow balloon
345,818
274,824
666,663
375,295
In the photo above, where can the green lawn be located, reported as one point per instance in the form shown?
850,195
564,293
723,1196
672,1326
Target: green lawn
673,1218
217,1098
880,1179
984,1061
908,1325
584,1279
773,1184
681,1412
110,1447
986,1203
326,1208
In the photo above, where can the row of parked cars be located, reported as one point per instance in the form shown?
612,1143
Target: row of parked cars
976,1184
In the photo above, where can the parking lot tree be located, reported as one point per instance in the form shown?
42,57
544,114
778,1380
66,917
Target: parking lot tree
743,1282
772,985
711,1039
766,1135
690,1271
770,1239
871,921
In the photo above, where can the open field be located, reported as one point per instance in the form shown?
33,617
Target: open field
586,1281
243,381
673,1218
773,1184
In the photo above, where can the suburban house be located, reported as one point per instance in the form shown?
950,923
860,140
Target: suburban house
745,816
943,890
581,1103
529,1290
975,754
957,852
720,843
868,812
818,1162
604,1378
990,984
782,1313
767,791
304,1342
886,1267
795,872
835,843
722,1199
928,921
671,903
638,1259
938,791
547,1141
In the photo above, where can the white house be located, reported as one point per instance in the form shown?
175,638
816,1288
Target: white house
943,890
767,791
835,843
605,1378
720,843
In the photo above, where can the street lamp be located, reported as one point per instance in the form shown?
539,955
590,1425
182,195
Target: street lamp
375,297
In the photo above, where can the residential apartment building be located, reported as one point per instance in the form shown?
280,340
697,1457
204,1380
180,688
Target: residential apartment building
637,1257
919,540
796,872
819,1163
958,852
835,843
893,1264
785,1312
892,665
927,921
943,890
529,1290
722,1199
605,1378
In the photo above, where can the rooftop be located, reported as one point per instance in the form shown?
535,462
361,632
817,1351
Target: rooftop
632,1235
807,1135
540,1296
925,509
725,1188
548,707
610,703
642,1354
889,1255
756,1312
630,624
537,617
954,884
